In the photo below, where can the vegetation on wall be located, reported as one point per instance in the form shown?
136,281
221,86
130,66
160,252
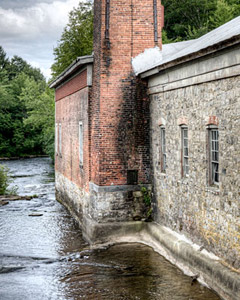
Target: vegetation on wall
26,109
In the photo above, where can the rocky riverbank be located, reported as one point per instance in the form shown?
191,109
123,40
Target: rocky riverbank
5,199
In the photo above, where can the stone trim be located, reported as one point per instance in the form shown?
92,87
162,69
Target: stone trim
213,120
202,78
115,188
162,122
182,121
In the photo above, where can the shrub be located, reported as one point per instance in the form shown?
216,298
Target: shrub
4,180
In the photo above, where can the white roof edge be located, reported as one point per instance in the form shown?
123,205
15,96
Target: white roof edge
149,57
81,60
175,51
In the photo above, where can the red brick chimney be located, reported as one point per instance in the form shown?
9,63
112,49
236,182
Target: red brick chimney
119,125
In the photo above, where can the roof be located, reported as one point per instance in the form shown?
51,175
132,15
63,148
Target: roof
175,52
79,62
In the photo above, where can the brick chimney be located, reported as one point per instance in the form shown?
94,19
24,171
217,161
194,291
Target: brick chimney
119,109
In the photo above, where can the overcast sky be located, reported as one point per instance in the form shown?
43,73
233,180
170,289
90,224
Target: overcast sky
31,28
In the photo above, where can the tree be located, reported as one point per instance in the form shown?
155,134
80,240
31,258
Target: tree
76,39
4,61
26,109
191,19
40,114
18,65
225,11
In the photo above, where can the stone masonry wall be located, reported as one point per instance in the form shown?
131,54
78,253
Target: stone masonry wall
207,215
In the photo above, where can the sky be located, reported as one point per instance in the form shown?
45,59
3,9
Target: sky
31,29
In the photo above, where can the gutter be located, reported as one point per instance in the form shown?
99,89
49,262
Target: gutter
82,60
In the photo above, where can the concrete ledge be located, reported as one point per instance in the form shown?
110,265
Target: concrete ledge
115,188
193,261
189,257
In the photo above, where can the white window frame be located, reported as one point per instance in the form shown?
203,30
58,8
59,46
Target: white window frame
213,149
163,156
184,151
60,139
56,138
80,139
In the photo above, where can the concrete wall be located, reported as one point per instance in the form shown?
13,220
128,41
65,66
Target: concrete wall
197,93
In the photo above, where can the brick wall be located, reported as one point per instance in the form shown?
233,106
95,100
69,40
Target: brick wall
72,86
119,110
69,111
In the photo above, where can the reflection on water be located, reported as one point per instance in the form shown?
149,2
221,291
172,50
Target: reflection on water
45,257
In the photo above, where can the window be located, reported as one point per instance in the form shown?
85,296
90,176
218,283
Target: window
163,150
132,177
80,143
184,159
213,155
60,138
56,138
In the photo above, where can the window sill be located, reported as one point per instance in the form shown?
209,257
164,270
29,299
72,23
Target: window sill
163,174
214,189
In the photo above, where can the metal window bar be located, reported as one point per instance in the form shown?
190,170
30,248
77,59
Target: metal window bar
107,19
185,165
155,21
163,150
214,156
81,143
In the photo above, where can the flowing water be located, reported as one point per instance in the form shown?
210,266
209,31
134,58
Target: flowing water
43,255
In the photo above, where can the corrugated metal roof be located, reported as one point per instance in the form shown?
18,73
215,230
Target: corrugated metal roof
174,51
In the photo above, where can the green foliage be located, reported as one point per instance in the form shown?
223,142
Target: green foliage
146,196
26,110
224,12
148,202
76,39
40,113
191,19
4,180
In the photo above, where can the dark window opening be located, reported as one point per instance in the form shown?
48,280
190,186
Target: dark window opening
132,177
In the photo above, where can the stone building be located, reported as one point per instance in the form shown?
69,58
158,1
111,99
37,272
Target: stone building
136,119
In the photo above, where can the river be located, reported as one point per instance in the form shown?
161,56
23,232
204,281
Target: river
43,255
